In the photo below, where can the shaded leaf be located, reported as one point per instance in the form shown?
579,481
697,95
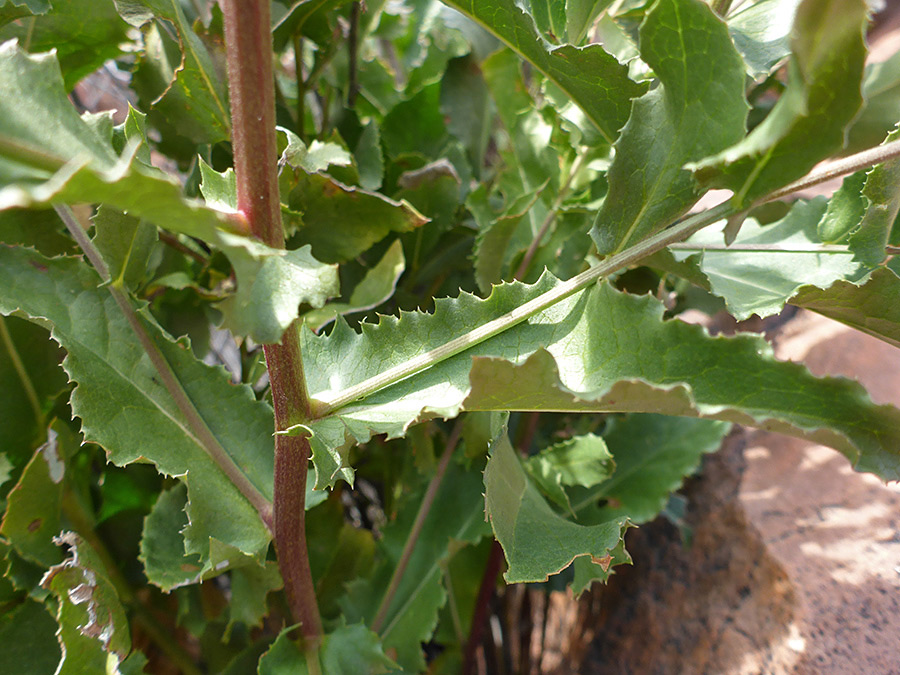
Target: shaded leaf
349,650
250,587
697,109
28,644
125,244
582,460
882,194
185,88
846,209
376,287
881,91
653,455
32,517
808,121
870,306
593,79
537,541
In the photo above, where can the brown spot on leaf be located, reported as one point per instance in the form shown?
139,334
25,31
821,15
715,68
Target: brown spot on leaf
35,524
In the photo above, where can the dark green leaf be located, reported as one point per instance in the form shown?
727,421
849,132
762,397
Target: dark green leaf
28,644
349,650
697,109
183,85
125,244
537,541
809,120
871,307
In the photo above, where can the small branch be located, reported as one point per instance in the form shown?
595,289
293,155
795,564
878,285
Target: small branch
301,87
22,372
679,232
551,214
197,428
424,509
172,242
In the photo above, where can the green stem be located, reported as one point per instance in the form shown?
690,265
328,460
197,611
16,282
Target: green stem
196,426
769,248
248,43
551,215
19,367
328,403
410,544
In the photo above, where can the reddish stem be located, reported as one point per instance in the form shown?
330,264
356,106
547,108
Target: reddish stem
248,42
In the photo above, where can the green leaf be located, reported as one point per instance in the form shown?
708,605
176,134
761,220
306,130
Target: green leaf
592,78
581,460
456,515
369,157
537,541
340,221
697,109
762,281
250,587
80,165
32,517
882,194
93,629
125,244
376,287
40,229
465,103
572,357
316,157
761,33
28,644
580,16
881,91
184,86
809,120
349,650
32,379
125,409
85,34
846,209
870,306
653,455
162,547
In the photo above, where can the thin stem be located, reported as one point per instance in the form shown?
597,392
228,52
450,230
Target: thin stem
301,87
551,214
22,372
770,248
353,48
248,42
424,509
196,426
328,402
482,606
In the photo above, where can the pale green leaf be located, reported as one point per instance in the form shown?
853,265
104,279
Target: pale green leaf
93,628
697,109
369,157
809,120
593,79
881,91
125,244
580,15
125,409
846,209
761,33
318,156
882,194
581,460
185,89
762,281
376,287
84,33
871,307
572,357
536,540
